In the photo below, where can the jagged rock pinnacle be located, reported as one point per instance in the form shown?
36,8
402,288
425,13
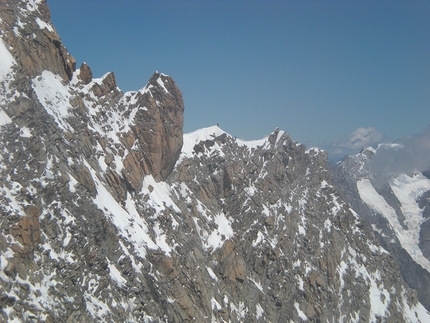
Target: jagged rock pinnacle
109,213
85,73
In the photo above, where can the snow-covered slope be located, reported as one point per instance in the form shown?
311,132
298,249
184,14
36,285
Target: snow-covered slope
108,213
397,207
407,190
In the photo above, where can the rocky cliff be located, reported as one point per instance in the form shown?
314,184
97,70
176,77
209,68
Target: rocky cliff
109,213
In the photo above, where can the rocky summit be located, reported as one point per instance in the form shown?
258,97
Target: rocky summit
109,213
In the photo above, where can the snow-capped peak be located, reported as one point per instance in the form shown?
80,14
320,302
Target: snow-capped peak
193,138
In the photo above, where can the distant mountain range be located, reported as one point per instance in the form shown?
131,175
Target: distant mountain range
109,213
396,206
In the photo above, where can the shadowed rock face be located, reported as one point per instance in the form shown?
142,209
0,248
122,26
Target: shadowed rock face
85,73
108,213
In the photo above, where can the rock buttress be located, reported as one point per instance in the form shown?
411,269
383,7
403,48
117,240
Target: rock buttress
156,138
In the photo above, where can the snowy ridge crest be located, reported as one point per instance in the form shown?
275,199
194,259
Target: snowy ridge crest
108,213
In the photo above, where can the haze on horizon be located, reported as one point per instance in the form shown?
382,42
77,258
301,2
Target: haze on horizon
328,73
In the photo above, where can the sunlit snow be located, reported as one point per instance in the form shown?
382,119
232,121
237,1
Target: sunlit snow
6,61
44,25
4,118
223,232
54,96
116,275
407,189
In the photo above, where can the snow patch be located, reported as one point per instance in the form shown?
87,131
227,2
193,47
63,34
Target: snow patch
6,61
211,273
327,225
257,284
33,5
131,225
161,83
25,132
193,138
160,239
300,282
379,299
54,96
44,25
252,144
116,276
159,196
4,118
259,311
215,305
299,312
222,233
240,310
259,238
95,307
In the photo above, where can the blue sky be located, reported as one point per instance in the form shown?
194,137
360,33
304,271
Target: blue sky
319,70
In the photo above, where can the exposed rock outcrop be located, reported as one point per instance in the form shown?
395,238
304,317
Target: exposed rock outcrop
45,51
85,73
105,87
158,125
108,213
232,265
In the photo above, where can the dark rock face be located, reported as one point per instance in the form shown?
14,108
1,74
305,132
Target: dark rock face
108,213
85,73
425,239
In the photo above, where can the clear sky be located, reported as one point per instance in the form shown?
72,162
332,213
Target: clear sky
317,69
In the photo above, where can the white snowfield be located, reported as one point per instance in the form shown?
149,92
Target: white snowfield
407,190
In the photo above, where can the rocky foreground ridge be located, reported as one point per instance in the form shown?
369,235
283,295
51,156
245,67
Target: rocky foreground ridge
108,213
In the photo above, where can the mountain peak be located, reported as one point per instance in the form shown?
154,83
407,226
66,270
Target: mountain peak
109,213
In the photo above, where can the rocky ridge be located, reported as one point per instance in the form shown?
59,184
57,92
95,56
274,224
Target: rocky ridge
28,32
109,213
